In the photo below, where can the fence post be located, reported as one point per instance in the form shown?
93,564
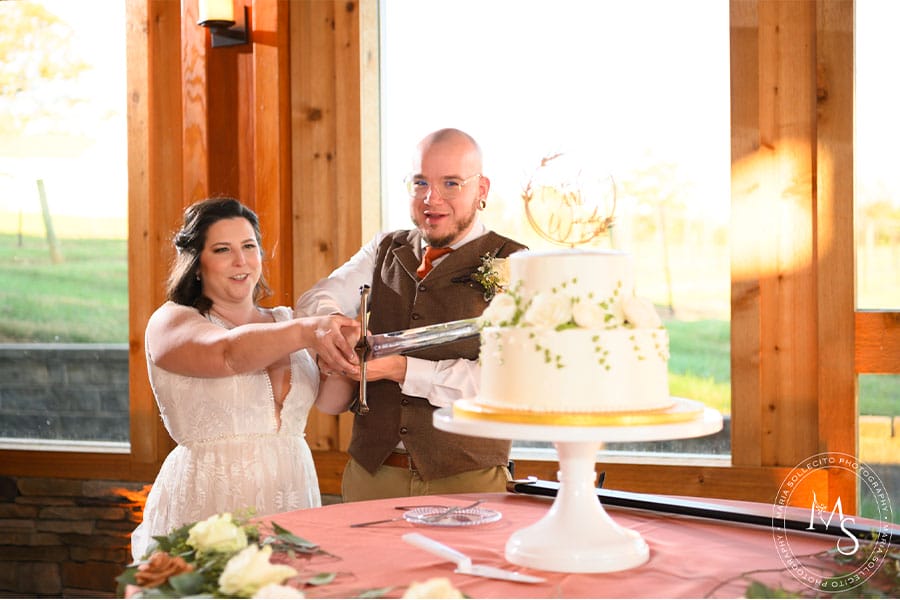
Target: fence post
55,254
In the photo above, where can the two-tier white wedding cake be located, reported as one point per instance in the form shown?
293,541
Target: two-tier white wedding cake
570,336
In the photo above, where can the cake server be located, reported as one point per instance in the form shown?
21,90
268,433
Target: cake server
464,563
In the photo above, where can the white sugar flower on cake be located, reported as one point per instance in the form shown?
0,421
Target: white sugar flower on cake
589,315
501,311
548,310
641,313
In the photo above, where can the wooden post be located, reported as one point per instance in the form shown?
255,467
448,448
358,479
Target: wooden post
55,254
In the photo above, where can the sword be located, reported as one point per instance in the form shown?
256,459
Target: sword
379,345
360,348
404,341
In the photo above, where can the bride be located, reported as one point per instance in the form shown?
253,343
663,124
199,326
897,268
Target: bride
234,382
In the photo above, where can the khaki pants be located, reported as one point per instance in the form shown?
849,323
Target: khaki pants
397,482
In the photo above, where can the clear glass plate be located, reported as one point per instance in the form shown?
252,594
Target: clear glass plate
460,518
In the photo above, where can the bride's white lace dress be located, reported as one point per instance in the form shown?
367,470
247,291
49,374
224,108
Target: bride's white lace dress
231,454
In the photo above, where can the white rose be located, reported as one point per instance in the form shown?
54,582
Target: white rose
641,313
501,310
436,587
273,590
549,310
588,315
250,570
219,533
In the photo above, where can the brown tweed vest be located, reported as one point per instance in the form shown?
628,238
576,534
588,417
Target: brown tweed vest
398,300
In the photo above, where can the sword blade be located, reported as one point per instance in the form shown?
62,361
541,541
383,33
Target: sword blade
419,338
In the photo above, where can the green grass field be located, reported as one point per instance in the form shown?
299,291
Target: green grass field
85,299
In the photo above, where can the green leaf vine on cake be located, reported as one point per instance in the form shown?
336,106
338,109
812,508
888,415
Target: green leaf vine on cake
558,310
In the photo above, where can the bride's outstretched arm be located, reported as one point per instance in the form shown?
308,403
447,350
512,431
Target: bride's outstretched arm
182,341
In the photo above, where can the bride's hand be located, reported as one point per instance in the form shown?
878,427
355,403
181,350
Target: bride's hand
333,338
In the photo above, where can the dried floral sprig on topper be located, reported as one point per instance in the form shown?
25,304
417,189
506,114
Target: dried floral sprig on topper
567,207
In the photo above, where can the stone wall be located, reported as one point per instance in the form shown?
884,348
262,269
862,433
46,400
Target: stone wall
64,392
65,537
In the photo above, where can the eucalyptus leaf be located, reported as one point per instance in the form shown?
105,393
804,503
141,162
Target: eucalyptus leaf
375,592
187,584
288,537
759,590
127,577
321,579
159,592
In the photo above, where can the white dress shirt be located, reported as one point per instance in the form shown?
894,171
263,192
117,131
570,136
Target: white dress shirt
440,382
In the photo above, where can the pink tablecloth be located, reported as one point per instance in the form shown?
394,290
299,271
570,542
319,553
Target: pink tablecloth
689,558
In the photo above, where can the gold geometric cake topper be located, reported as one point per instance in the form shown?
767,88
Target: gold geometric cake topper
566,208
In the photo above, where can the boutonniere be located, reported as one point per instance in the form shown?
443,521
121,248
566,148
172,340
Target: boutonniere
492,275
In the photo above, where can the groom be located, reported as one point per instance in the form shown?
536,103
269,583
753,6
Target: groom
420,277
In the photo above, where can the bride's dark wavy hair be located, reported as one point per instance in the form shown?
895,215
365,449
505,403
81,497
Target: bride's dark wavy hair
184,286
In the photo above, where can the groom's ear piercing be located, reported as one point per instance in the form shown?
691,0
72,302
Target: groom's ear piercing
483,204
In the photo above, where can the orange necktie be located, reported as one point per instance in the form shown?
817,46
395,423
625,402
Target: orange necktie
430,255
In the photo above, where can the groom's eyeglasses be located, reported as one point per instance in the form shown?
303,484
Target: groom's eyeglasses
448,188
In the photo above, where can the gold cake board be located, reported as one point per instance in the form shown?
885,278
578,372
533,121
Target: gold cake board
680,411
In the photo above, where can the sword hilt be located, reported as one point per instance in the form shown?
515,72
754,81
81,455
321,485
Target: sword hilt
362,347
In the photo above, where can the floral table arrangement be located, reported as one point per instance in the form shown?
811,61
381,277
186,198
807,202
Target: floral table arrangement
221,557
226,556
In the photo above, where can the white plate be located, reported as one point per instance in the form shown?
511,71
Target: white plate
459,518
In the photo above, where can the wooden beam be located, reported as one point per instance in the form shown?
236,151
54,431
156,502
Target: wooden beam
877,341
154,181
313,143
326,154
757,484
774,317
76,465
270,140
194,87
834,241
746,400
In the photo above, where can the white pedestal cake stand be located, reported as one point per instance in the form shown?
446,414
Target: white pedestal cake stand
577,535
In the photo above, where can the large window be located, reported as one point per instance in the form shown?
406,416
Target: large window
643,101
877,224
63,223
